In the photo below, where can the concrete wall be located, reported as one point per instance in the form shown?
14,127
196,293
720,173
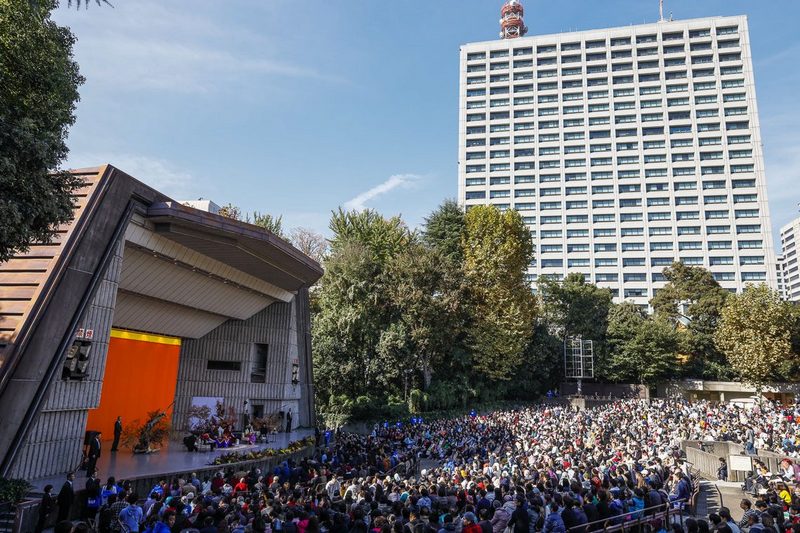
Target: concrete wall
275,326
54,444
704,456
615,390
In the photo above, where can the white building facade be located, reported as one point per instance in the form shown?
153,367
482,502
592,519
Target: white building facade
790,269
623,149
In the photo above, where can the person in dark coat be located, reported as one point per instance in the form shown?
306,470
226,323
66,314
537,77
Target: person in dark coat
289,421
45,508
117,434
94,453
65,498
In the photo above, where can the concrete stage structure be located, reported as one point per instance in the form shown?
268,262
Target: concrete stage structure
143,303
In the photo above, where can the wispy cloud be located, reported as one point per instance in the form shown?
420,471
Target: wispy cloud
403,181
157,173
152,45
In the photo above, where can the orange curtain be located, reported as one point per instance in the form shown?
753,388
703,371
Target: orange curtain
140,376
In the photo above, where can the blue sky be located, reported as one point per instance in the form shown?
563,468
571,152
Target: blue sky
295,108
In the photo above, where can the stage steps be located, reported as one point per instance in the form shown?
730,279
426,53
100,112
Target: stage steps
7,521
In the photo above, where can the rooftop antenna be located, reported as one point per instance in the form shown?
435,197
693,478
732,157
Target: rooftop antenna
511,24
661,10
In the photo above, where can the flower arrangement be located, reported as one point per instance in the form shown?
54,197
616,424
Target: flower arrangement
254,455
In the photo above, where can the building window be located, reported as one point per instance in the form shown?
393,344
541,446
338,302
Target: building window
212,364
258,374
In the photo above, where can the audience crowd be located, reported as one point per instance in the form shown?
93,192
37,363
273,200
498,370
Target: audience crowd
540,468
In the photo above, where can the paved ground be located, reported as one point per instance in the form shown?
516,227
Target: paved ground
716,494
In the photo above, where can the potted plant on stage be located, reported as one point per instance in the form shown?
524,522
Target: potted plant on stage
147,437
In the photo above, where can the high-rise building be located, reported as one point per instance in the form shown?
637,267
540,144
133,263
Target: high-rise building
790,268
624,149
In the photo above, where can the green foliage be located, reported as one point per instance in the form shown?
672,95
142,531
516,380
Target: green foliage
755,334
444,231
38,91
497,251
394,313
13,490
576,307
642,349
268,222
694,298
382,237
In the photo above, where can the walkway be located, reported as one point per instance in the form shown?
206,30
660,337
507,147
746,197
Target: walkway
716,494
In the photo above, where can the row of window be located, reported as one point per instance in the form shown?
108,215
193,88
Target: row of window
607,134
601,262
598,82
602,43
640,246
621,174
599,176
524,70
618,105
618,118
621,160
606,147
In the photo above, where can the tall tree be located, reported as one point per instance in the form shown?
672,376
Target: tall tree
641,349
694,298
497,251
311,243
352,314
38,90
384,237
360,342
429,292
755,334
573,307
444,231
652,352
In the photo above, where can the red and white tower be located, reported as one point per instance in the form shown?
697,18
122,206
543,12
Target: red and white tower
511,23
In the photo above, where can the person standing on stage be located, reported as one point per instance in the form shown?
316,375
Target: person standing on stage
94,453
65,498
45,508
289,421
117,434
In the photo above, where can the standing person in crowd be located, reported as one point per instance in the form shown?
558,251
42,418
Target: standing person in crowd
117,434
132,516
65,498
45,508
94,452
722,471
166,523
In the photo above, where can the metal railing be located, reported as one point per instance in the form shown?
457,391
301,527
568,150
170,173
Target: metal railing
630,520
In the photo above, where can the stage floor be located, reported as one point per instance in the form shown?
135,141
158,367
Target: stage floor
173,457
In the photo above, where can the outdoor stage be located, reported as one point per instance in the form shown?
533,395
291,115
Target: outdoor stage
171,459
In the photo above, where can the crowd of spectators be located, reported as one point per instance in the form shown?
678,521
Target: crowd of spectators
539,468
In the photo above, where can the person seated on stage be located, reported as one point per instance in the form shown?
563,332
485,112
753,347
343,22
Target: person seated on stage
190,441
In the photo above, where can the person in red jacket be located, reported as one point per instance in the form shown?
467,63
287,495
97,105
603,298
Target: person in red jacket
471,524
